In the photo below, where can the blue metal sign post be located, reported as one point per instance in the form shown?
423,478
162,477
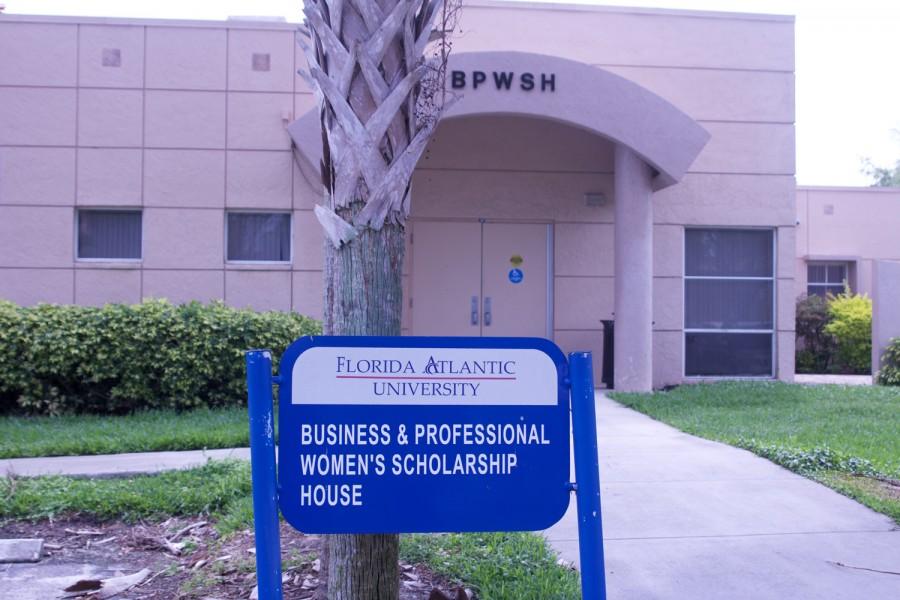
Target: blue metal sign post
587,476
263,475
393,435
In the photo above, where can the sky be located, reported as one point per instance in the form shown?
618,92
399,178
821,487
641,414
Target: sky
848,54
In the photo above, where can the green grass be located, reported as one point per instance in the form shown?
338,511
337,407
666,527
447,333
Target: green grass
217,488
876,494
236,516
141,432
499,566
844,436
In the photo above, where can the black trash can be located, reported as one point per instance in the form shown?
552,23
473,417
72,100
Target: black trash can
607,376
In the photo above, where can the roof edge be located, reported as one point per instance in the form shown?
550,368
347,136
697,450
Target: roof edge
490,4
674,12
849,189
141,22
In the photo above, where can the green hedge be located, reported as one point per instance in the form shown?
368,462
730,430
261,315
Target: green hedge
120,358
815,347
834,334
851,326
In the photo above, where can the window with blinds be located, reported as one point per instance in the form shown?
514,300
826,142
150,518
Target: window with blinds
109,234
823,278
729,302
258,237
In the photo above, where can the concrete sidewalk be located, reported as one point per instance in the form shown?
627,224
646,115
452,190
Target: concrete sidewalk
809,379
685,517
116,465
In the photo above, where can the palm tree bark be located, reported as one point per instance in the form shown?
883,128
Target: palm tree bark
363,296
378,110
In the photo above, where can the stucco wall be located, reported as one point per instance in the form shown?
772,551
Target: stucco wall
468,172
854,225
885,308
185,128
182,128
731,73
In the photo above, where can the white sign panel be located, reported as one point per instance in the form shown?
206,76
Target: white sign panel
424,376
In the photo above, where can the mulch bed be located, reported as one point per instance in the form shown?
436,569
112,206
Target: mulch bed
187,559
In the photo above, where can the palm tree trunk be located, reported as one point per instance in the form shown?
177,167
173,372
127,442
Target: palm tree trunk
363,567
378,109
363,296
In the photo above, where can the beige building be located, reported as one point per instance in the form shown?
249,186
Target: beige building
841,233
600,164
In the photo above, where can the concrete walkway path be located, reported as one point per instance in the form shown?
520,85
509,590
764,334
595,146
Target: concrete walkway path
685,517
116,465
808,379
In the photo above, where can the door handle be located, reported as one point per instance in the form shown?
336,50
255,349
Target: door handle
487,311
474,320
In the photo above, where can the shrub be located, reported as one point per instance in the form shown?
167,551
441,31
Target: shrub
807,461
889,374
815,347
9,351
851,326
120,358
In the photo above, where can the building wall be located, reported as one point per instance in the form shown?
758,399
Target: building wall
184,128
734,74
468,173
885,308
856,226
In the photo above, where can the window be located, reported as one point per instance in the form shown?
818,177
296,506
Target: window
258,237
826,278
109,234
729,302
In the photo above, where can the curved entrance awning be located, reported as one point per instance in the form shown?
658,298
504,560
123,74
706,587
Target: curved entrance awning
547,87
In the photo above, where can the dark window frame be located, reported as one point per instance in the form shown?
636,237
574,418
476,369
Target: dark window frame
81,211
256,261
772,332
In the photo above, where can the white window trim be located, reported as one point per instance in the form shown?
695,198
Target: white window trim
260,211
773,332
78,211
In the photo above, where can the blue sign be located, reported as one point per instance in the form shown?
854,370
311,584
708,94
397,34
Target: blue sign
388,435
441,494
516,275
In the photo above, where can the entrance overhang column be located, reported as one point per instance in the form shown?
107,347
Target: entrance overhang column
633,272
